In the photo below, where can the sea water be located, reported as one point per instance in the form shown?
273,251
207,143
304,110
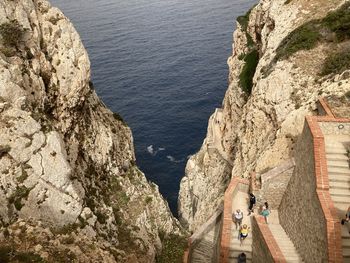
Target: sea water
161,64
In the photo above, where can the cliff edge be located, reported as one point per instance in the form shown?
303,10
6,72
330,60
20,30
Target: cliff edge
69,187
286,55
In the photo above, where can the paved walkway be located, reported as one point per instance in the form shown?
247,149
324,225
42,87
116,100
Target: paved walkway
240,201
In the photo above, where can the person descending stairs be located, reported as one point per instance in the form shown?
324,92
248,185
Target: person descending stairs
240,202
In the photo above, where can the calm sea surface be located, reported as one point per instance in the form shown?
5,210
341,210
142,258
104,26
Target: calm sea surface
161,64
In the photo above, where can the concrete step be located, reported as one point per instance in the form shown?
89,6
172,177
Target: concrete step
339,185
337,157
338,163
340,192
203,251
338,170
335,143
346,242
283,241
338,149
293,258
340,199
345,231
341,151
337,138
346,253
244,247
338,177
247,240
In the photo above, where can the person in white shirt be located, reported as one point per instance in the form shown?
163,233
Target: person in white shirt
238,218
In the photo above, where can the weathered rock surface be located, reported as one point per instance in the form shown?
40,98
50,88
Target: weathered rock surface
65,159
258,131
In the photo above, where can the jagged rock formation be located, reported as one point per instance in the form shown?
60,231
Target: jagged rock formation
273,83
67,164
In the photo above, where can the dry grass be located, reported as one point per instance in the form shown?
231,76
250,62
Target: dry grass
314,9
340,105
311,61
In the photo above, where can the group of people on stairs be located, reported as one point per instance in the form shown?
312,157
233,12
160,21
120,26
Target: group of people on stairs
243,230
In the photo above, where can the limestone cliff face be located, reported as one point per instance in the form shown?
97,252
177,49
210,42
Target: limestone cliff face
67,164
257,131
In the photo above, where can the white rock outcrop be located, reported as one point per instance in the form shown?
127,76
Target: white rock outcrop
65,159
258,131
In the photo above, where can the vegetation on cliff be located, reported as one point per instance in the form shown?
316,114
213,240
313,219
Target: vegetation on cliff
336,63
251,59
333,28
246,77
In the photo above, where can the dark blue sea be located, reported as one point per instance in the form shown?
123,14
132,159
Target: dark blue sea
161,64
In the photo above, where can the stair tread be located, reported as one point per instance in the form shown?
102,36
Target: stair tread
336,169
339,192
338,177
285,244
339,185
340,199
337,156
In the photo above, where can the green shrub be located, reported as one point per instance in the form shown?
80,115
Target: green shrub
5,252
244,20
118,118
9,254
250,42
12,33
309,34
241,56
23,176
338,21
248,71
148,199
17,196
336,63
28,257
302,38
101,217
8,51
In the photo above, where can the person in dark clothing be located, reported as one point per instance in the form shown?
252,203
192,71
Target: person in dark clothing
266,205
242,258
252,202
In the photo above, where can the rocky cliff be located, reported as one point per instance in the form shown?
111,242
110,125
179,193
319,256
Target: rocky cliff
286,54
69,187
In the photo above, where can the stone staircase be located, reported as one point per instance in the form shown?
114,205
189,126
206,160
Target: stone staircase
241,202
285,244
339,182
204,251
